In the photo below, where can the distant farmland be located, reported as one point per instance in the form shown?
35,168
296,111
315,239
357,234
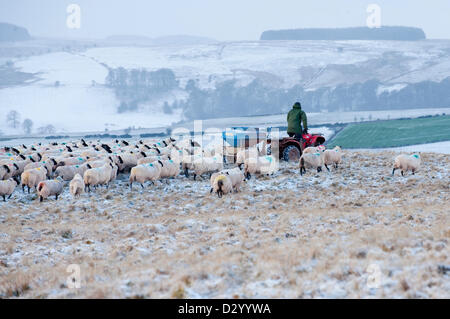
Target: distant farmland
394,133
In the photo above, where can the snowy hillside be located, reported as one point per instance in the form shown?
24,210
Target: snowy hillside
68,89
79,102
313,64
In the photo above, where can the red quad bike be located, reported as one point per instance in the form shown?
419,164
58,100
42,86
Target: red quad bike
290,149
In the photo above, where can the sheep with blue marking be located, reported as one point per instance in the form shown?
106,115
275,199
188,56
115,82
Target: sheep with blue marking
260,165
98,176
406,163
145,173
314,160
332,157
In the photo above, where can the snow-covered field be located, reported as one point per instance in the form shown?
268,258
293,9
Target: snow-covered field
79,106
76,105
439,147
354,232
286,63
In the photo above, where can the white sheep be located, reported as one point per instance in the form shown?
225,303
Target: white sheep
76,186
98,176
245,154
311,160
126,161
222,185
170,168
187,143
235,174
202,165
406,163
32,177
8,170
72,161
151,159
260,165
47,165
7,188
68,172
145,172
314,149
98,163
333,156
49,188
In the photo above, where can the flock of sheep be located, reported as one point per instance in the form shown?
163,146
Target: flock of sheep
87,165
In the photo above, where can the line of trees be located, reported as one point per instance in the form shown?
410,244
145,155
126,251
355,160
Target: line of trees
13,119
139,85
356,33
229,98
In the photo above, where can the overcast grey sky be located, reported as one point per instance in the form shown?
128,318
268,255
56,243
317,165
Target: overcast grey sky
219,19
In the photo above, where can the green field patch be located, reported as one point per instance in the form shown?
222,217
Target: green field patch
394,133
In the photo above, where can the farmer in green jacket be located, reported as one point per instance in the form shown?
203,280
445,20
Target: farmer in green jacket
295,118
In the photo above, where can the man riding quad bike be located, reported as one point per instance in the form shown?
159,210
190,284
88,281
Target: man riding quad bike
295,118
291,148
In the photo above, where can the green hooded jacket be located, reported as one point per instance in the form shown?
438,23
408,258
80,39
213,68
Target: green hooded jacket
295,118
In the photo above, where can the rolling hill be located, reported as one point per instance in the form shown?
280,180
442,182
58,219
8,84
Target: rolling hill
67,86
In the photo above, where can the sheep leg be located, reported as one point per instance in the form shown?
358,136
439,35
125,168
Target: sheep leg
413,172
23,188
211,190
195,176
248,176
142,185
336,165
131,186
319,169
9,196
41,198
186,172
402,174
56,196
327,167
393,171
28,189
4,198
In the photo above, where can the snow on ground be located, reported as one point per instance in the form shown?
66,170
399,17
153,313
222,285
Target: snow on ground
75,109
323,235
439,147
286,63
64,67
77,104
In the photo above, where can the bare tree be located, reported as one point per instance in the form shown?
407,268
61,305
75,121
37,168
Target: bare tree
27,126
13,119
